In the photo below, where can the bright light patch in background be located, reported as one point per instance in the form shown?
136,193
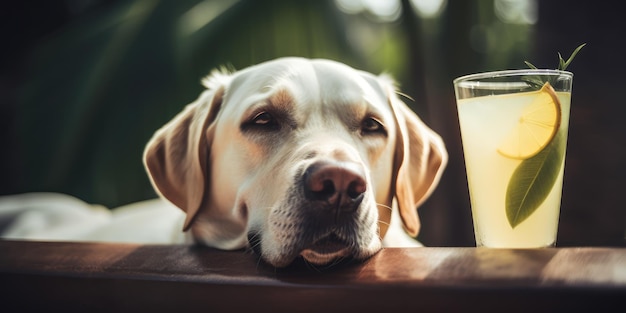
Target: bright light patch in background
507,33
202,14
383,10
516,11
350,6
429,8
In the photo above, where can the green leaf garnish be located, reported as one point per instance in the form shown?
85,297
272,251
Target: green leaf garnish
533,180
537,81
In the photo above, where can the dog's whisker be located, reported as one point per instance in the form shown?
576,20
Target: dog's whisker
384,206
384,222
254,242
253,238
250,249
312,266
258,262
404,95
336,262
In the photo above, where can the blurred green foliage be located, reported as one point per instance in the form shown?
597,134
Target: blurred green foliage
96,90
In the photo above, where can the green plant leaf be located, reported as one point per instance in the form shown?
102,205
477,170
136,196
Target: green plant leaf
571,57
533,180
535,82
562,64
530,65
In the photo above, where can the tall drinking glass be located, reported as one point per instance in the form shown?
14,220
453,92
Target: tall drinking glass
514,132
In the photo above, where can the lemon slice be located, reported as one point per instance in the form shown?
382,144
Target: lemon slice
536,127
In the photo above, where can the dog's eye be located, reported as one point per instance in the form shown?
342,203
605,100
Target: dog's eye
263,118
371,125
262,121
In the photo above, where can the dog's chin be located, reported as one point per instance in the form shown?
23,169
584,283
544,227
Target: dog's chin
326,250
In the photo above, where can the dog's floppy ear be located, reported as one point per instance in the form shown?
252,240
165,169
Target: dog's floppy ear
420,159
176,156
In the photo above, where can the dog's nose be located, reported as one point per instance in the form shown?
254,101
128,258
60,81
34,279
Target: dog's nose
340,184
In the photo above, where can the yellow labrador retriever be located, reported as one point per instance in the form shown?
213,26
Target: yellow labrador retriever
296,158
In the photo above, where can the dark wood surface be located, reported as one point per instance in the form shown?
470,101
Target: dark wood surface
127,277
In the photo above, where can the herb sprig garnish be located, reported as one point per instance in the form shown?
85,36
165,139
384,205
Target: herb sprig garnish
537,81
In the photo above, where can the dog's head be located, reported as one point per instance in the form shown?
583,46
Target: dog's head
296,157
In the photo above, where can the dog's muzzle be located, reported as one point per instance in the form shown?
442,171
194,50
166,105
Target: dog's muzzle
330,194
335,191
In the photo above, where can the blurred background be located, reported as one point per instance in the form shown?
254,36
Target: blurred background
85,83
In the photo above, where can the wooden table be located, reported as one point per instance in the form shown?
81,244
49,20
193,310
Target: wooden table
90,277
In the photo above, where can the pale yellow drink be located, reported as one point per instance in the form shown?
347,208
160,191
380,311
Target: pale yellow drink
486,122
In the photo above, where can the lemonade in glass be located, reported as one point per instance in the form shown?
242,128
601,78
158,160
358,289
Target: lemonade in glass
514,132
